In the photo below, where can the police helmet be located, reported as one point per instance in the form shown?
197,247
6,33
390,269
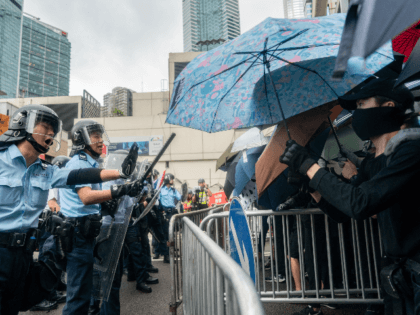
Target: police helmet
80,136
201,180
155,172
168,178
190,191
60,161
23,122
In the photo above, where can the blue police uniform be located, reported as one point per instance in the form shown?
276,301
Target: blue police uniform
79,261
168,199
23,196
72,206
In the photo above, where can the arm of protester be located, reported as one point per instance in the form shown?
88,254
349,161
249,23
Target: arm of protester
349,170
374,195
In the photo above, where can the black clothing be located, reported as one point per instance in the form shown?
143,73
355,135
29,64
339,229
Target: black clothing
391,193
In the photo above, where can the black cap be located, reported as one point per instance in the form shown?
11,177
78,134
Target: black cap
379,87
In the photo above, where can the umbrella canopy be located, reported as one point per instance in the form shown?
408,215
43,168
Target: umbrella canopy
370,24
405,42
230,177
302,128
230,86
226,157
245,169
251,139
411,69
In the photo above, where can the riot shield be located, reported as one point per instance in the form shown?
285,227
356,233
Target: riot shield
109,244
110,241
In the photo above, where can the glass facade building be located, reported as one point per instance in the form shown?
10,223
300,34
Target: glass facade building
10,29
45,60
294,9
209,23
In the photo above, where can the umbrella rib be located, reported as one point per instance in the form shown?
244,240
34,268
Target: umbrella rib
227,92
266,95
288,39
213,76
307,69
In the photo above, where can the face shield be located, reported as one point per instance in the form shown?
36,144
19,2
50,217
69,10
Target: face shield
45,124
94,134
114,160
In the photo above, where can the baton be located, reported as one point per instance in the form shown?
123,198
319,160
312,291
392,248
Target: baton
157,158
149,206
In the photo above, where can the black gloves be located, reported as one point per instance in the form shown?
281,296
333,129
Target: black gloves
110,207
132,190
297,158
129,164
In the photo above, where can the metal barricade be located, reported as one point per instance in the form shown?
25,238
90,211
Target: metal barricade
329,262
213,282
175,250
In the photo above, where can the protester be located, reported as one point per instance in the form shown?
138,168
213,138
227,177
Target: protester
380,112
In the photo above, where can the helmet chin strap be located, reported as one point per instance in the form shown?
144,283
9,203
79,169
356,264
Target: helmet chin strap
38,148
94,154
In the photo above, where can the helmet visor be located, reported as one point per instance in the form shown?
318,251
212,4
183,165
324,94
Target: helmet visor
95,134
45,124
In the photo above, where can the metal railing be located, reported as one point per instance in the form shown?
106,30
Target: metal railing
175,250
329,262
213,282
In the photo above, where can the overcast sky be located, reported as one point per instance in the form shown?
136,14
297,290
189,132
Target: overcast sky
124,42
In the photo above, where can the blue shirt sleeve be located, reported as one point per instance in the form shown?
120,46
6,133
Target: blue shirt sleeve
59,177
177,195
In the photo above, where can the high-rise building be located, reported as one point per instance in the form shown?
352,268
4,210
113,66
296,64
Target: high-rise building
118,103
45,60
10,30
294,9
209,23
314,8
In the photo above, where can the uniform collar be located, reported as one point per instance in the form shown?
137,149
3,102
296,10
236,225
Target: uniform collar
86,157
15,153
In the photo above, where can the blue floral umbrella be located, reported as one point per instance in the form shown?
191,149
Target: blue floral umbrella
232,86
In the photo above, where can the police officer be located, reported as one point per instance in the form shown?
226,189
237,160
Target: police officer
138,244
204,192
24,184
168,199
53,205
81,207
387,183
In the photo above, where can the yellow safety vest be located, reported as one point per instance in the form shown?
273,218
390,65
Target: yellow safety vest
202,195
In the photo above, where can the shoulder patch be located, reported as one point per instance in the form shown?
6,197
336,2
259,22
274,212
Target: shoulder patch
82,156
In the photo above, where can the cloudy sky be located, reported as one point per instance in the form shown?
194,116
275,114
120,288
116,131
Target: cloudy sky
125,42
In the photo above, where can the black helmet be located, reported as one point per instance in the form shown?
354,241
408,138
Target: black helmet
201,180
60,161
80,136
155,172
24,121
168,178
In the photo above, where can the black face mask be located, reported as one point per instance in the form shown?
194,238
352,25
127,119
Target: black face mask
371,122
